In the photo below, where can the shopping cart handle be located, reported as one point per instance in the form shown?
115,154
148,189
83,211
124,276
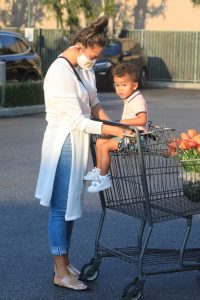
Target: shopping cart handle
112,123
116,123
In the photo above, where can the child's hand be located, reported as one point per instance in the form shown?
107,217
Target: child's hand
128,132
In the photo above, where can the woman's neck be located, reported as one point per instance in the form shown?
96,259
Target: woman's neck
71,56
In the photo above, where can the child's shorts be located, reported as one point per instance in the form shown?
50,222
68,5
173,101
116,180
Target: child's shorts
127,144
117,139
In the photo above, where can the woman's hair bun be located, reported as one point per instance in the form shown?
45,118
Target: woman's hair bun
95,34
99,25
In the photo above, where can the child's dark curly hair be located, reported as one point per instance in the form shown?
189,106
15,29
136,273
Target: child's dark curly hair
121,69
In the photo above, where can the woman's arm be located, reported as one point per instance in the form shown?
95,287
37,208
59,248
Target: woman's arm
99,113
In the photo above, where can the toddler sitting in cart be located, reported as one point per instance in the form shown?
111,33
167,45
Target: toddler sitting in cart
134,114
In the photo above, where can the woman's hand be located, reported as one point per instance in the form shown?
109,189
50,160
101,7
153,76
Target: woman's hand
99,112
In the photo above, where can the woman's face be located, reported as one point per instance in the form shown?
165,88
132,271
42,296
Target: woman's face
92,52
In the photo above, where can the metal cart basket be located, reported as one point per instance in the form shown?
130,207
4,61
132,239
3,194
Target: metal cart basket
148,184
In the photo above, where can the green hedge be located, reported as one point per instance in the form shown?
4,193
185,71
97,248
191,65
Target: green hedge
22,94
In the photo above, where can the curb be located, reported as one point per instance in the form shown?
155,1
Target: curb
36,109
20,111
173,85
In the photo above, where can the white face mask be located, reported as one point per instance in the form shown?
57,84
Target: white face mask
85,63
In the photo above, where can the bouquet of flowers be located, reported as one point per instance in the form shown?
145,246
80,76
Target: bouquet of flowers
186,150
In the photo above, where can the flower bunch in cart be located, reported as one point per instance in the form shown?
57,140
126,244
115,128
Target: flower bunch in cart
186,149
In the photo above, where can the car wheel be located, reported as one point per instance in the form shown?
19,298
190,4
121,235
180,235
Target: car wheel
30,77
143,78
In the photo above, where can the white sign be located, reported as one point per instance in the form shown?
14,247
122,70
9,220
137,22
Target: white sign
29,34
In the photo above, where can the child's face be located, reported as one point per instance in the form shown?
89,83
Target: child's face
124,86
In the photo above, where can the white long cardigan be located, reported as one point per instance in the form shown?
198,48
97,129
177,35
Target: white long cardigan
68,110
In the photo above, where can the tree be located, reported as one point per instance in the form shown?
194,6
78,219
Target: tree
73,9
196,2
107,7
57,7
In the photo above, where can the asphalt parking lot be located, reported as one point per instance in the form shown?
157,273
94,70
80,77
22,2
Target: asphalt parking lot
26,271
177,108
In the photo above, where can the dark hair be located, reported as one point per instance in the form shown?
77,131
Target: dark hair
95,34
120,70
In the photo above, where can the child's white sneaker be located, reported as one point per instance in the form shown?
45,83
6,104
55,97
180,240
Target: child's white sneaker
92,175
103,183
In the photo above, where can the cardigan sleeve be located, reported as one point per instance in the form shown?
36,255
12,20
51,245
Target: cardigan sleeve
62,98
75,118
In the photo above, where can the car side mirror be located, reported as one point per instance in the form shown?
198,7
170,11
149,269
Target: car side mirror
126,53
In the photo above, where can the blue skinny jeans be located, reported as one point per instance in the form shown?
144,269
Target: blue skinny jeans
59,230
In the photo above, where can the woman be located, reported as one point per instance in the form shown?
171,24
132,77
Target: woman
70,100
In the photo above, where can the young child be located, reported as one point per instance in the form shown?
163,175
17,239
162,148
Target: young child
134,113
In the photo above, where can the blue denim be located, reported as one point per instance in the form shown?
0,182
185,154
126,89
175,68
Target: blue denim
59,230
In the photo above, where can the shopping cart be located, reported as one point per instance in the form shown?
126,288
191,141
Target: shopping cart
148,185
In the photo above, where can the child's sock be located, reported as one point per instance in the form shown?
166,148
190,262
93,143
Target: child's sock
92,175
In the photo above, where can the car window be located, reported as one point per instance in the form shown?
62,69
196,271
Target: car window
23,45
11,46
1,47
112,49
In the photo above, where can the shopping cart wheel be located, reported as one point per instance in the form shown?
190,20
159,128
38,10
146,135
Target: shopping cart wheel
89,272
134,290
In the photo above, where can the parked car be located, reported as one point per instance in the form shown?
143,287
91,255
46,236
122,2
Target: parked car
122,50
22,62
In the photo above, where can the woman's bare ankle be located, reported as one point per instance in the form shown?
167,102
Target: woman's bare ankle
62,274
60,267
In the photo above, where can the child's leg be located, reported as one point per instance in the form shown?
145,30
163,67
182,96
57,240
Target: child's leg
104,154
95,172
99,143
103,181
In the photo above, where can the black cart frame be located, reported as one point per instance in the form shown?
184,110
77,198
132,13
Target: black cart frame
148,184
